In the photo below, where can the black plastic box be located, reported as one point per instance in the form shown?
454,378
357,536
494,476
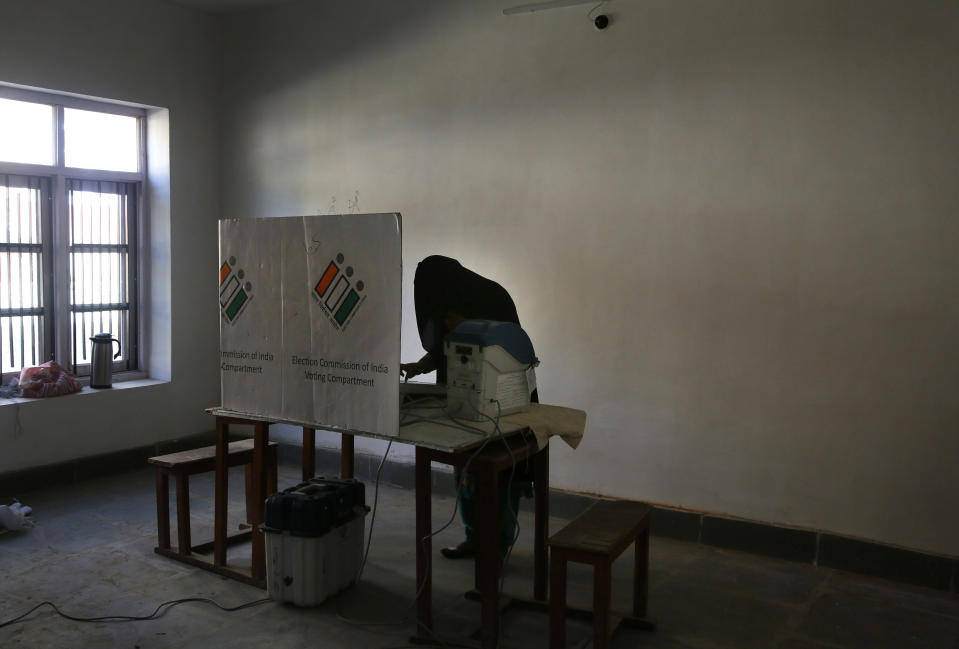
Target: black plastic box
314,507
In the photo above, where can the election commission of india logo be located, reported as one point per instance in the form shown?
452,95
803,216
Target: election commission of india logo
339,292
235,290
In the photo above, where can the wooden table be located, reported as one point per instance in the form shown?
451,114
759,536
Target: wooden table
486,465
257,499
436,441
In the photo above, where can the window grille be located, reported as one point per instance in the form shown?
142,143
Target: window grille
72,173
102,262
24,272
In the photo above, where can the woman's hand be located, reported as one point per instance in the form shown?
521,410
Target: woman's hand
409,370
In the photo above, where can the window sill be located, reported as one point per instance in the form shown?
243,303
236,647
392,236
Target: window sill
120,379
130,381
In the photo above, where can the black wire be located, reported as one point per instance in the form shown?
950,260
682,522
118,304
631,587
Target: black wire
589,16
159,612
422,586
473,430
509,488
489,436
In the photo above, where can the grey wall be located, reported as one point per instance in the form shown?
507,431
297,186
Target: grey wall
729,227
153,54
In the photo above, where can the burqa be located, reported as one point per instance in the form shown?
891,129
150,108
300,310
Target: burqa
442,286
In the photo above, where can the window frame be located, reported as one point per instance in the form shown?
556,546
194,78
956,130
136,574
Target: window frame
57,263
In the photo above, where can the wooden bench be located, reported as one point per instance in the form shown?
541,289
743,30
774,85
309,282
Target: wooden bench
597,537
186,463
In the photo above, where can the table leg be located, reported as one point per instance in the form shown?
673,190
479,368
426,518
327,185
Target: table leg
602,592
309,453
250,496
183,512
424,548
261,437
540,522
487,556
271,473
641,574
220,493
557,601
163,509
346,457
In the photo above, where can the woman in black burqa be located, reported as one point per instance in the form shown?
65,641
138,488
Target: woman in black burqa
445,294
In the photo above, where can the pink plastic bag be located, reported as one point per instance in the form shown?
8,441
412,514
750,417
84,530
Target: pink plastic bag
48,380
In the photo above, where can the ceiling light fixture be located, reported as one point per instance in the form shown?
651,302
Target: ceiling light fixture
540,6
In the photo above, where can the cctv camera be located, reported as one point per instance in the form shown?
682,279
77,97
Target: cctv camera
601,21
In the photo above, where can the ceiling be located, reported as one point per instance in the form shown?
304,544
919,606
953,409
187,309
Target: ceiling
226,6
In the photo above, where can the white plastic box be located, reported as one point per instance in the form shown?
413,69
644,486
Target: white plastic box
306,570
489,370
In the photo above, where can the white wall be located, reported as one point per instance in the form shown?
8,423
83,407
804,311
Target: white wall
729,227
158,55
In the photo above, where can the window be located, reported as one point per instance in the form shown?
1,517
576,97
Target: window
71,182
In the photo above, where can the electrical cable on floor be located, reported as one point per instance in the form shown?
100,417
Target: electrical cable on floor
159,612
165,606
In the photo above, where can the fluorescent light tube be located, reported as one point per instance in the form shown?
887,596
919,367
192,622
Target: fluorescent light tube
539,6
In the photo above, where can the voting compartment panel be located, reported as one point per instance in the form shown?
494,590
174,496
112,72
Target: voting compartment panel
310,319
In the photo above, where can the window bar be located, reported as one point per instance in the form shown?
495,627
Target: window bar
107,264
35,278
106,292
102,207
130,206
108,238
73,271
85,210
4,188
45,267
19,304
124,270
81,274
19,316
85,293
33,330
121,213
81,264
73,268
96,277
22,211
6,183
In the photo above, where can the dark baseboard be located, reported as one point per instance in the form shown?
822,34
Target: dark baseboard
805,546
17,483
819,548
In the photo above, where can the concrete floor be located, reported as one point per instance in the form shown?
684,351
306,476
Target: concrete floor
91,554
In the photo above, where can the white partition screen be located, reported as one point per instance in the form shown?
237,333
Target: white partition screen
310,312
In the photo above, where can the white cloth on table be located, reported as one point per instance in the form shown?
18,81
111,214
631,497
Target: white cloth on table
545,421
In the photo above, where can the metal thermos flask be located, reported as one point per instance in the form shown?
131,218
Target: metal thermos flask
101,371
